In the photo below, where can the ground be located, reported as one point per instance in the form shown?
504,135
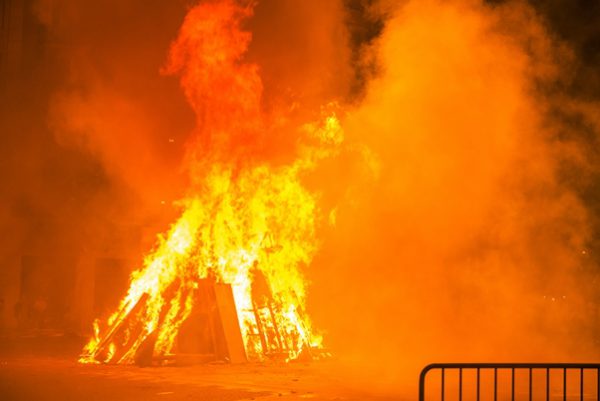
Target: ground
26,373
58,379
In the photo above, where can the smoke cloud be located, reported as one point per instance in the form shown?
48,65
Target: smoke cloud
472,242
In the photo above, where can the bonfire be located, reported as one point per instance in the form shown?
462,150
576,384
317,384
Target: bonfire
244,223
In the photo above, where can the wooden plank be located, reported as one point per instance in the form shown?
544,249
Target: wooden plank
230,323
121,320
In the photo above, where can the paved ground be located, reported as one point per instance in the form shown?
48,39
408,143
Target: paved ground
42,366
60,379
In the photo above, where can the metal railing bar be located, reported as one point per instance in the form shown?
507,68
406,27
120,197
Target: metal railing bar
564,384
502,365
460,376
512,384
548,367
443,379
478,383
581,384
495,384
530,384
547,384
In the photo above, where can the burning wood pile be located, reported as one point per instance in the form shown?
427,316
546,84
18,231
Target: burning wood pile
228,271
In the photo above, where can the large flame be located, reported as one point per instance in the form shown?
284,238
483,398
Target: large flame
241,217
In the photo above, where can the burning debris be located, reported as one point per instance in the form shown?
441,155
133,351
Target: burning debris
245,229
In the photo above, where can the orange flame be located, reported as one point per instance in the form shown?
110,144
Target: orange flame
240,217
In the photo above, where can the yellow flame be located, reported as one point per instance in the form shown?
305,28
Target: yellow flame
261,218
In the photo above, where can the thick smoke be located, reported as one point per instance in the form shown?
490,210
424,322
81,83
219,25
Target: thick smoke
113,103
92,141
472,242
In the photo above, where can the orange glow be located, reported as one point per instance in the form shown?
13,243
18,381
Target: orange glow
235,219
